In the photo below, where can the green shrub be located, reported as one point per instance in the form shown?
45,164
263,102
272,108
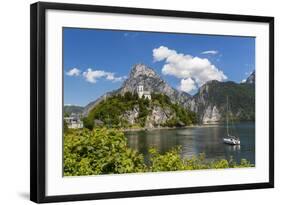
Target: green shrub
170,161
101,151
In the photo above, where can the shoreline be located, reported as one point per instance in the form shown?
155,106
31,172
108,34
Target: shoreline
172,128
166,128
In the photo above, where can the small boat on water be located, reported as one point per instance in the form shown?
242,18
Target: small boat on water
230,139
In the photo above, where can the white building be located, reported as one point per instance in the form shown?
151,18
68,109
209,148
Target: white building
73,121
142,93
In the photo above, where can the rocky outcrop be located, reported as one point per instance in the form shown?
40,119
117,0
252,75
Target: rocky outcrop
157,117
131,116
211,115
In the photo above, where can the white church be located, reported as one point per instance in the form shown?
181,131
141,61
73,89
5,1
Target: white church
142,93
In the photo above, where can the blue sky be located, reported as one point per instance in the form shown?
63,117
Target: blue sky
98,61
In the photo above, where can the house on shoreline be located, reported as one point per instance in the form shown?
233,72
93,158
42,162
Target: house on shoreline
74,121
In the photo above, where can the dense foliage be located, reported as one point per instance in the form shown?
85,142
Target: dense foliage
99,151
105,151
111,111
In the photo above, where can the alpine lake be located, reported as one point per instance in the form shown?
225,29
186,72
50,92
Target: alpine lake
206,139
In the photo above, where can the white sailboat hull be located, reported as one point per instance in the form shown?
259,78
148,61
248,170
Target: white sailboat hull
231,141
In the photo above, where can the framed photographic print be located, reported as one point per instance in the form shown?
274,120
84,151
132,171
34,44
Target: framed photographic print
129,102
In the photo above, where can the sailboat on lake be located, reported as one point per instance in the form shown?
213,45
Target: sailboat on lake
230,139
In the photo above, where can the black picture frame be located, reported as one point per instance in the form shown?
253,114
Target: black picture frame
37,100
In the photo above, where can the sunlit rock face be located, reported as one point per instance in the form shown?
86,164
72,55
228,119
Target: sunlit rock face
211,115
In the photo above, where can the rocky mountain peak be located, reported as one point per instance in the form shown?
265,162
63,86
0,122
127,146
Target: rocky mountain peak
152,82
142,70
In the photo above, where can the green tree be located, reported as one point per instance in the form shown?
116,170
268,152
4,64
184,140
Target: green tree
65,127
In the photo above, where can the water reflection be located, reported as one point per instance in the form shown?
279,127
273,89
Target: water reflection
196,140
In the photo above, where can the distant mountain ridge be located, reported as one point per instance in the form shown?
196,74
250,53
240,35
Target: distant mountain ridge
208,103
73,109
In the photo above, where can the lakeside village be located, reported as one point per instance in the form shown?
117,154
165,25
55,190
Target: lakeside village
74,121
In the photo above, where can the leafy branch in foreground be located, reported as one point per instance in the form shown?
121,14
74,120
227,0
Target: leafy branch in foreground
105,151
101,151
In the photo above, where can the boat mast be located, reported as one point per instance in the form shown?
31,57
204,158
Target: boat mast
227,115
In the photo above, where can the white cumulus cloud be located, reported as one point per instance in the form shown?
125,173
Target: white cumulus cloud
187,67
187,85
93,75
213,52
73,72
